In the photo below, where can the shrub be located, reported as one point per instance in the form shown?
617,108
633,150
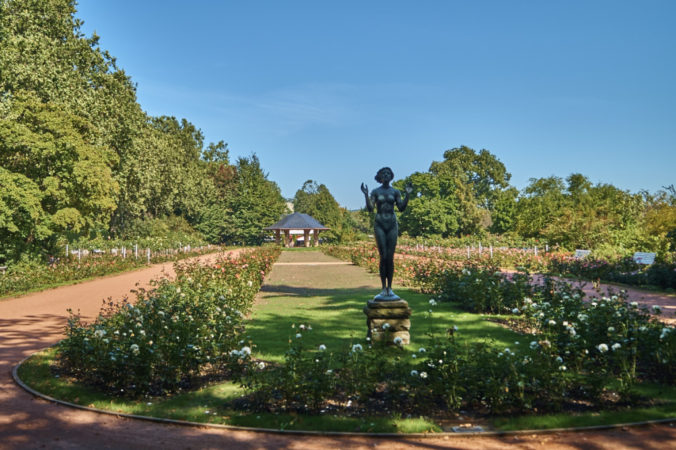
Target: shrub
446,376
171,333
604,339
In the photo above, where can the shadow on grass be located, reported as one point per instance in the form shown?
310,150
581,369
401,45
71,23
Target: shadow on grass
363,292
338,321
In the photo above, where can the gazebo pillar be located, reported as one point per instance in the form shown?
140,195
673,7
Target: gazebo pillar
287,238
315,241
306,240
277,236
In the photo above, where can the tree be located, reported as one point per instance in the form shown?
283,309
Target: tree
504,210
539,203
434,212
578,214
214,214
317,201
23,222
463,194
258,203
56,151
659,217
482,171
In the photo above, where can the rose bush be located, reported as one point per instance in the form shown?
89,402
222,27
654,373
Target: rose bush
172,332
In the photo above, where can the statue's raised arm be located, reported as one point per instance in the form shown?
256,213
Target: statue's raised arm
403,202
369,203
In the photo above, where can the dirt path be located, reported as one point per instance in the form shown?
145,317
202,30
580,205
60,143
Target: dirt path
34,321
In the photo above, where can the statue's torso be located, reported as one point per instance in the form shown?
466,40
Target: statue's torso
385,199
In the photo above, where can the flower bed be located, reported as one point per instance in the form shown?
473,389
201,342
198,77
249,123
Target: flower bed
477,284
560,369
370,379
171,333
603,339
415,264
30,275
579,351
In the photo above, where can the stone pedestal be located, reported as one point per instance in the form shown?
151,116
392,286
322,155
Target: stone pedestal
396,313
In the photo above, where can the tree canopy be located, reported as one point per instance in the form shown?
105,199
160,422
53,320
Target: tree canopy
459,195
80,156
317,201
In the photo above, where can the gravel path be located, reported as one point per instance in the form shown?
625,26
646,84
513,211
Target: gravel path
32,322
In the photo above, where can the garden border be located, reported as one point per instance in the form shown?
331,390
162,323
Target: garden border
17,380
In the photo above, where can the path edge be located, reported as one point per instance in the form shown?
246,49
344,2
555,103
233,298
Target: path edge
186,423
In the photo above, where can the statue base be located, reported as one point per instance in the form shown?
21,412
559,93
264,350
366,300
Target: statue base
395,313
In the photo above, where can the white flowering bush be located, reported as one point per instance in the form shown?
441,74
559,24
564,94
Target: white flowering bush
361,378
170,333
578,353
301,383
604,338
600,340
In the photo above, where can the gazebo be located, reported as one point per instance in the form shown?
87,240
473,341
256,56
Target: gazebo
295,224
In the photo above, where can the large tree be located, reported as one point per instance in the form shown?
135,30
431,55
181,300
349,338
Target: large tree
317,201
258,202
463,194
578,214
56,150
64,96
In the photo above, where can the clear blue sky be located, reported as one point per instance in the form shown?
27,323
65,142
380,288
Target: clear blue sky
332,91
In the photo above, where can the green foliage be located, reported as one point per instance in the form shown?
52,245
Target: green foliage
482,289
22,219
170,231
258,202
659,219
316,201
53,171
171,333
580,215
504,210
463,194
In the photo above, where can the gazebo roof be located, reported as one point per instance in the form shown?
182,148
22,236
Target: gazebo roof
297,221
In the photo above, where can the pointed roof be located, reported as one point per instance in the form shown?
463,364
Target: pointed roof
297,221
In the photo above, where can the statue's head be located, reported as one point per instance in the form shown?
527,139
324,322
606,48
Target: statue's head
383,173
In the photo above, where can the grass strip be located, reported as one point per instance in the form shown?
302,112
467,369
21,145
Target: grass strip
209,405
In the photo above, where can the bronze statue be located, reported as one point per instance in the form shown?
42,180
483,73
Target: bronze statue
386,227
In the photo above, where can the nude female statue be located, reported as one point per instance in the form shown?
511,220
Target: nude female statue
386,227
